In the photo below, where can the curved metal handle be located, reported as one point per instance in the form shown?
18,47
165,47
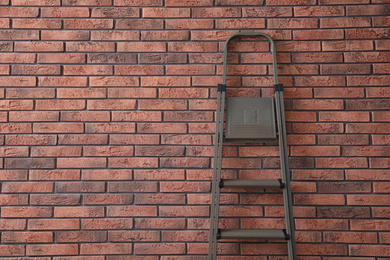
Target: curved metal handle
250,34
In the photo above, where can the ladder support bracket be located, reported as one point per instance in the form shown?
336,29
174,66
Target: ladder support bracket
219,234
282,185
221,184
221,87
278,87
286,236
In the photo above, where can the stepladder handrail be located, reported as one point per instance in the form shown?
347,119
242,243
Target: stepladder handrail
250,34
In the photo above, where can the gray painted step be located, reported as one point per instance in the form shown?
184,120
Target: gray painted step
251,184
253,234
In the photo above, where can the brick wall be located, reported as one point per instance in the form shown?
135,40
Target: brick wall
107,124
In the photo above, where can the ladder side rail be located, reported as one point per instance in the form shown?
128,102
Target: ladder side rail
284,165
214,198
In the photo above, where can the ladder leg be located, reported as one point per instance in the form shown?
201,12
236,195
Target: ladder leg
287,196
215,192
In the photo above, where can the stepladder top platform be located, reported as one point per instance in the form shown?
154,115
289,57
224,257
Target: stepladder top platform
250,118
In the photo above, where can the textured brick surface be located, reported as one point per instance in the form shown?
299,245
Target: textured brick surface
107,120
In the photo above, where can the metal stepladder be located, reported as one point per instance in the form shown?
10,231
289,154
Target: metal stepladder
251,119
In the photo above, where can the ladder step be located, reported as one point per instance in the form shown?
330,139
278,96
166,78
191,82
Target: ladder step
251,184
275,234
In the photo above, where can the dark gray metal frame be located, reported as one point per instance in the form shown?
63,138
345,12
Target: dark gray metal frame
215,234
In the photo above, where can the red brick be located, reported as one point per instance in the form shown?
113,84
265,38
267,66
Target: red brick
78,212
83,139
16,81
107,174
27,237
133,187
57,151
317,57
166,12
211,35
50,249
36,24
115,35
161,249
33,116
18,58
160,174
189,3
160,199
322,224
54,175
114,81
52,199
13,199
311,11
164,58
318,35
382,45
81,163
110,128
85,116
250,23
367,80
345,22
320,81
112,199
165,35
377,33
369,250
132,211
138,2
31,140
293,23
113,12
216,12
139,70
291,2
39,46
81,93
95,249
344,2
53,224
36,70
318,104
6,46
90,46
62,81
19,12
347,45
58,128
11,250
141,46
12,224
183,93
156,223
108,151
133,162
112,58
26,212
80,236
262,12
371,128
381,69
87,2
140,24
61,58
300,46
364,10
19,163
367,174
342,162
370,225
315,151
107,223
19,34
257,249
88,70
165,81
65,12
344,116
